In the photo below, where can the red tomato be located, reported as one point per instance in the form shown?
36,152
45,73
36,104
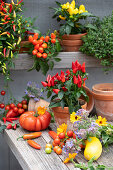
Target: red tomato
11,113
35,36
2,105
2,92
62,144
54,144
7,107
74,136
55,148
44,45
34,42
41,50
47,38
53,41
20,111
30,39
24,106
39,55
15,109
53,36
57,141
42,38
19,105
12,105
61,135
24,102
44,55
40,42
36,47
58,151
70,133
34,52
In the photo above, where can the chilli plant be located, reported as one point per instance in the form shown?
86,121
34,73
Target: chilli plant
67,87
99,41
13,28
71,14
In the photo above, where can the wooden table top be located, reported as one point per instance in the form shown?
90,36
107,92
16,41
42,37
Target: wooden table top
32,159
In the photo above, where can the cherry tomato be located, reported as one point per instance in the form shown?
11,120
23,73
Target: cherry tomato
53,36
48,145
20,111
42,38
41,50
47,38
34,42
19,105
2,105
62,144
15,109
2,92
12,105
54,144
35,36
44,55
57,140
74,136
39,55
70,133
58,151
61,135
53,41
44,45
48,150
34,52
40,42
36,46
24,102
7,107
55,148
24,106
30,39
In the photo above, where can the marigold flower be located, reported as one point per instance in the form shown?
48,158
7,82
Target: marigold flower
101,121
41,110
71,156
74,117
62,128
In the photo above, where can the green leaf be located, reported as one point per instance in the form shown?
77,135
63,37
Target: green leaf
44,67
51,64
57,59
60,95
55,104
49,93
62,103
2,128
58,3
70,23
68,29
89,139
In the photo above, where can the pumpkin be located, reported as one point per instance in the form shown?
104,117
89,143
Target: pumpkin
30,122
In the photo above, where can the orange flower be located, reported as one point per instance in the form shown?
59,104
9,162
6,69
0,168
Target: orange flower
71,156
41,110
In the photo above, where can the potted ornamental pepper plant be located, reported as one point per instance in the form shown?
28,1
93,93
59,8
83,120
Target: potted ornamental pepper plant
67,89
71,30
14,28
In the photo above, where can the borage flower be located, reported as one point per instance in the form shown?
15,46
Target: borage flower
62,128
101,121
71,156
74,117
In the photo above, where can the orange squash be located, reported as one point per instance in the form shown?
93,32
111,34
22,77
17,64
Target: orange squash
30,122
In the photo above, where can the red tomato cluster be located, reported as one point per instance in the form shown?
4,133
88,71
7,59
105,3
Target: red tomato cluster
40,44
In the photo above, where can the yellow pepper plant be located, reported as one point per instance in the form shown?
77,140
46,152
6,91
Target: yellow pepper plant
71,13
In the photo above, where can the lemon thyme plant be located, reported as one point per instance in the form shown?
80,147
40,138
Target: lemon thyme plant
13,28
71,14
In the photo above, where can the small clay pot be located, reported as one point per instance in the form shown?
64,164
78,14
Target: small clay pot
103,99
24,49
71,43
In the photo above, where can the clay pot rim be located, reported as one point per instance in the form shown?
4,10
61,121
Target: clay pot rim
95,87
71,42
73,36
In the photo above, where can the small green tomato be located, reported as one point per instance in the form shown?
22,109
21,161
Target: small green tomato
48,150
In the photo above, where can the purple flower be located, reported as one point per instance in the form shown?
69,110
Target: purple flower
36,99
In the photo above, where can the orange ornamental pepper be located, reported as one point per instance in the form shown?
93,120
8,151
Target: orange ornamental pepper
14,27
33,144
31,135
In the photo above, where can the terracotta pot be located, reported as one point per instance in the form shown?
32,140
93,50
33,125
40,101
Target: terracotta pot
33,105
103,98
71,43
63,116
24,49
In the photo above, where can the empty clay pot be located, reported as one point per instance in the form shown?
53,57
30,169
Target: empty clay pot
103,99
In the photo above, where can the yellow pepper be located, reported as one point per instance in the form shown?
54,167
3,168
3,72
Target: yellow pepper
14,14
63,18
82,9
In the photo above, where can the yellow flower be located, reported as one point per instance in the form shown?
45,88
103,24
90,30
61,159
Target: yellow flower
62,128
72,4
65,6
75,11
71,10
101,121
74,117
41,110
82,9
71,156
63,18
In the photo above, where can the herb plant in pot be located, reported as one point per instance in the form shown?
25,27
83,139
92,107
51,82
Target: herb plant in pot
68,89
71,30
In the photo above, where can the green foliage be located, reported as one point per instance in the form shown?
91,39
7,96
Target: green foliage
99,41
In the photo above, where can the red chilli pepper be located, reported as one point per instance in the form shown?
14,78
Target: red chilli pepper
5,22
15,126
9,126
14,28
13,118
9,120
4,52
4,119
10,8
20,2
4,10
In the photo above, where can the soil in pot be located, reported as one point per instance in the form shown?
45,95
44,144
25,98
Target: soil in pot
103,99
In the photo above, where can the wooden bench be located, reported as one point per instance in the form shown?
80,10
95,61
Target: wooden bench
32,159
